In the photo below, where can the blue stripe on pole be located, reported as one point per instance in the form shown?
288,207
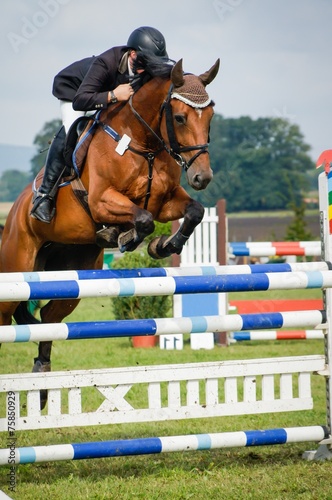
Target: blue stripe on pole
27,455
204,441
240,249
34,276
122,273
261,321
208,271
127,287
239,244
142,446
88,275
22,333
119,328
54,290
223,283
267,437
241,336
199,324
315,279
270,268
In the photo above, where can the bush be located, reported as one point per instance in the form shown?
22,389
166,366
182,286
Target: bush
142,307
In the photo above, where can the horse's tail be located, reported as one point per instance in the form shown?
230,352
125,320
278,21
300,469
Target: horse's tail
23,316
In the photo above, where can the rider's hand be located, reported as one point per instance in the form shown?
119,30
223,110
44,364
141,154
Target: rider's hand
123,92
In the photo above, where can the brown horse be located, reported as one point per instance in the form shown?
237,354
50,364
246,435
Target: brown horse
168,122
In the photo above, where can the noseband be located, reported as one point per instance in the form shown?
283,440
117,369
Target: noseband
174,149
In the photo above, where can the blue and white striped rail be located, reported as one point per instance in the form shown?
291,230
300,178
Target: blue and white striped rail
160,326
171,285
148,446
41,276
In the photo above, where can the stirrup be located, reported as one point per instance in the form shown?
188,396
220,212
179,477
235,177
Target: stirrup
43,213
37,199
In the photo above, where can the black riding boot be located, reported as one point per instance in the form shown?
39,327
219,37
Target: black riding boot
43,207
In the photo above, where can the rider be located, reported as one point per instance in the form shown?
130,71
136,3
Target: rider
91,84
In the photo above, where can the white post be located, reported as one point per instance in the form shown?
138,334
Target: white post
325,206
200,250
324,451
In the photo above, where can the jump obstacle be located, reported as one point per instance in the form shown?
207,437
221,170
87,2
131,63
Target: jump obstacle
194,390
209,246
270,249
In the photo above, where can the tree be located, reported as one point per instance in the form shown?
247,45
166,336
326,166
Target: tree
42,142
296,231
12,182
258,164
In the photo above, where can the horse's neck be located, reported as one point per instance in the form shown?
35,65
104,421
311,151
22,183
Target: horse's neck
147,103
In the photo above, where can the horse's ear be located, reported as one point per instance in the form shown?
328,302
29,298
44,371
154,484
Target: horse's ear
210,75
177,74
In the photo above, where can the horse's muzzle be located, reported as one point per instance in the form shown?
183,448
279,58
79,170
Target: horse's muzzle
200,180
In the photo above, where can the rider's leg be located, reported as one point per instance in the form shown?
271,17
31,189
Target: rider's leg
68,114
44,202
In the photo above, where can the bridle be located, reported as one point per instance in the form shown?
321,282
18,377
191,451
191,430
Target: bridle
174,149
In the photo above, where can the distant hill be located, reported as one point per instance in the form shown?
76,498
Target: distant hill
15,157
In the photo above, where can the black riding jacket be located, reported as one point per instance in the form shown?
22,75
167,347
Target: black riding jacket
86,83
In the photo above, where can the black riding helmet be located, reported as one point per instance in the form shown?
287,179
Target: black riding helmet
149,39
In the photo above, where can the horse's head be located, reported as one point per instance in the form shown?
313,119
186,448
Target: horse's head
182,125
188,111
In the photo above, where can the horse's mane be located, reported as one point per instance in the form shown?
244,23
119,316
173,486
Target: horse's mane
152,65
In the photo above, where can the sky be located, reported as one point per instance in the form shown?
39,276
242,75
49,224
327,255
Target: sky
275,55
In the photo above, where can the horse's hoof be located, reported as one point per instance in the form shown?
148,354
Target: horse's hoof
107,237
42,367
155,248
128,241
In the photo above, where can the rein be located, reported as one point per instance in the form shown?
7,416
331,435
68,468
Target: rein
174,150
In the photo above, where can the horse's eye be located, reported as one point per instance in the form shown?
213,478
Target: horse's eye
181,119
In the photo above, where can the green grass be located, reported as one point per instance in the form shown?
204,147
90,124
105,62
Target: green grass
270,213
276,472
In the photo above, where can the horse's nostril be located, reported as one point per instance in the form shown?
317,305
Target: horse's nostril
197,179
200,181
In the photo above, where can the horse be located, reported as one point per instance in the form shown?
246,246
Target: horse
167,121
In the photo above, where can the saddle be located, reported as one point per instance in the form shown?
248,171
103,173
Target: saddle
75,150
77,143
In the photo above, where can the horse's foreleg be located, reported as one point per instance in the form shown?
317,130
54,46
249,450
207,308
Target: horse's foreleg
164,246
143,226
115,209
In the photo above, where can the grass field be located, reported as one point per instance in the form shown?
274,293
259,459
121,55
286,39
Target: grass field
4,209
273,472
276,472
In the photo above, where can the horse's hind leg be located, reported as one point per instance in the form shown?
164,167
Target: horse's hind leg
52,312
42,364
